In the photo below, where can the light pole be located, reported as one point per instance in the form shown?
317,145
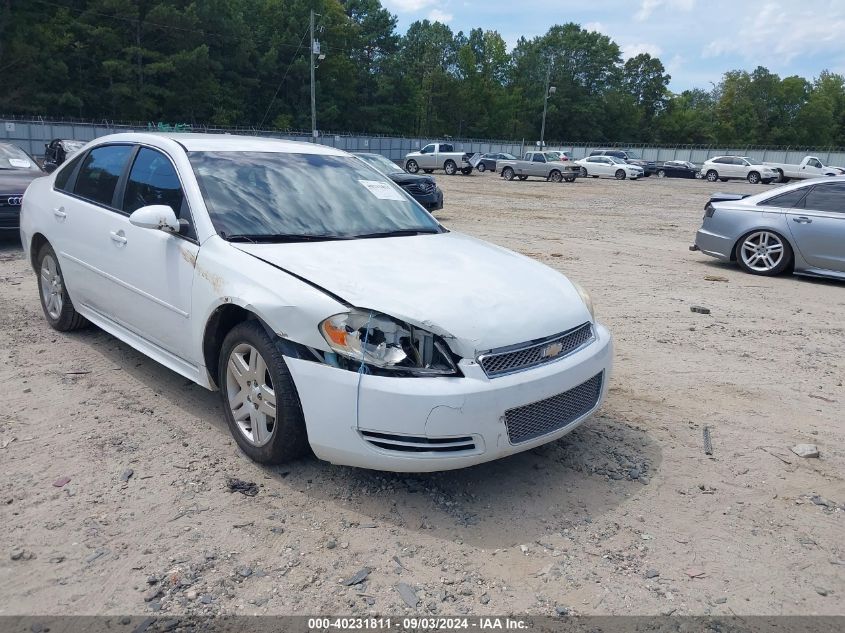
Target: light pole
315,50
550,90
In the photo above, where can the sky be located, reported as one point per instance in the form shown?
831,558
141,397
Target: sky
697,40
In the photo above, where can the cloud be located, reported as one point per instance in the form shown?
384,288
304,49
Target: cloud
774,34
409,6
650,6
594,26
632,50
436,15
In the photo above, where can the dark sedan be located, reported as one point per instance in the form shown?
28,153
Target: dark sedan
17,170
488,161
423,189
678,169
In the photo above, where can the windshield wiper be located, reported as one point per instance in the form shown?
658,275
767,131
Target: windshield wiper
277,238
397,233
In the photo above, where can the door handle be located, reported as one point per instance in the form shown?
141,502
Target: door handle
118,238
59,212
802,220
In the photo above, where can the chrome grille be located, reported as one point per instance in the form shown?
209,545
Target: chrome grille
416,444
421,188
539,418
517,358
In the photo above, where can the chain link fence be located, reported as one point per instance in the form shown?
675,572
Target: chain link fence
32,134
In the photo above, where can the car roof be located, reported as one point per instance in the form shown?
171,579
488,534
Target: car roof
221,143
770,193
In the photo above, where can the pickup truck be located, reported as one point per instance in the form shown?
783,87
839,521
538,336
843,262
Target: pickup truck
438,156
540,164
810,167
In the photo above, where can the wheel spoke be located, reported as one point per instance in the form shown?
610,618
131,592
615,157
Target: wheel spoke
260,367
769,261
239,369
776,248
267,407
259,427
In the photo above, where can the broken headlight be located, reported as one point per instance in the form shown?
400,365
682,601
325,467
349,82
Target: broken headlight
383,342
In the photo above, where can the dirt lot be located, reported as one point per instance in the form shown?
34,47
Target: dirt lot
626,515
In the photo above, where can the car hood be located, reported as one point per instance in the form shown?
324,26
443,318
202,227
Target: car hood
476,295
402,179
14,181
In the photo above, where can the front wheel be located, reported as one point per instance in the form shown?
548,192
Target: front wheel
753,178
555,176
661,173
523,177
466,171
481,167
763,253
259,398
55,301
620,174
712,175
584,172
450,168
570,179
507,173
412,167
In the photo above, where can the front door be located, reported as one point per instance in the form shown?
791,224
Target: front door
818,226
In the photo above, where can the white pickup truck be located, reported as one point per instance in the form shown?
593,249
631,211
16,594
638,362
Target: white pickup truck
438,156
810,167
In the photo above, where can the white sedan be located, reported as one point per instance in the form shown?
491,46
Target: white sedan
610,167
327,306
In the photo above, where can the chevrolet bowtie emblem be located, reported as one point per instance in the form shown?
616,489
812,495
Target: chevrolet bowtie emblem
550,351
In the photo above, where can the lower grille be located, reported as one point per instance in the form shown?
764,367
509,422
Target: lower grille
539,418
507,360
415,444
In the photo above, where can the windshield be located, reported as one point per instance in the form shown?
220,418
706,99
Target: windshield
266,194
380,162
509,157
633,155
616,160
13,157
71,147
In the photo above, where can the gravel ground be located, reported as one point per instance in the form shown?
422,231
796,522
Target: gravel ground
626,515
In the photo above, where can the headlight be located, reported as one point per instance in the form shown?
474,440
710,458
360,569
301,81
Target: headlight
585,297
384,342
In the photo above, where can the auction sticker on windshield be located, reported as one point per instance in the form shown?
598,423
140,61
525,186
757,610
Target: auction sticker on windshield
381,190
17,162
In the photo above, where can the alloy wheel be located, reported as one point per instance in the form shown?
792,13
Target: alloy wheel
762,251
251,396
51,287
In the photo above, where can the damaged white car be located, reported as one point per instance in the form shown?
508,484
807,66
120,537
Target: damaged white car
329,308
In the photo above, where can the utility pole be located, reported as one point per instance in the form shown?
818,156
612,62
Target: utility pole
549,90
313,87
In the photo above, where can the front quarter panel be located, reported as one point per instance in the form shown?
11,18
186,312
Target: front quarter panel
291,307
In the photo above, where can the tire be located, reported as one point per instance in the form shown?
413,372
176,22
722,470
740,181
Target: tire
570,179
428,171
784,180
507,173
723,179
753,178
766,181
780,177
466,171
556,176
584,173
661,173
412,167
450,168
481,167
712,175
620,174
55,301
523,177
752,247
285,438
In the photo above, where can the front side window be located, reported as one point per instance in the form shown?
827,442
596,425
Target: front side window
100,172
285,196
829,198
539,158
428,149
814,163
152,180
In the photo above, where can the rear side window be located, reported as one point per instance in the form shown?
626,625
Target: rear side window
785,200
63,177
726,160
826,198
100,172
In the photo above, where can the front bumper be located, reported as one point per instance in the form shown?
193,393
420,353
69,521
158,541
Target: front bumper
338,405
432,201
10,218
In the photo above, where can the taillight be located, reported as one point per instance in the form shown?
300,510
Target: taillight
709,210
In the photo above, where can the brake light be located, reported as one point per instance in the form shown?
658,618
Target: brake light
709,210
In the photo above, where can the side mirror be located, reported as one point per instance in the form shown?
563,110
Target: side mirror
50,167
155,216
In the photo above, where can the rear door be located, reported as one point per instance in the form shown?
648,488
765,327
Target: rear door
818,226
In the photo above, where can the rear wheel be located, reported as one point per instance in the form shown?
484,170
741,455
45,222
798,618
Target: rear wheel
450,168
55,301
481,167
523,177
555,176
712,175
620,174
259,398
466,171
507,173
661,173
570,179
763,253
411,167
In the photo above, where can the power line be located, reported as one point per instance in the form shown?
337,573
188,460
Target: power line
287,70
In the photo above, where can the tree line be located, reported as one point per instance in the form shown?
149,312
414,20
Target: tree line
246,63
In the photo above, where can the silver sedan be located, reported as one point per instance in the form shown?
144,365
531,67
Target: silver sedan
799,227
